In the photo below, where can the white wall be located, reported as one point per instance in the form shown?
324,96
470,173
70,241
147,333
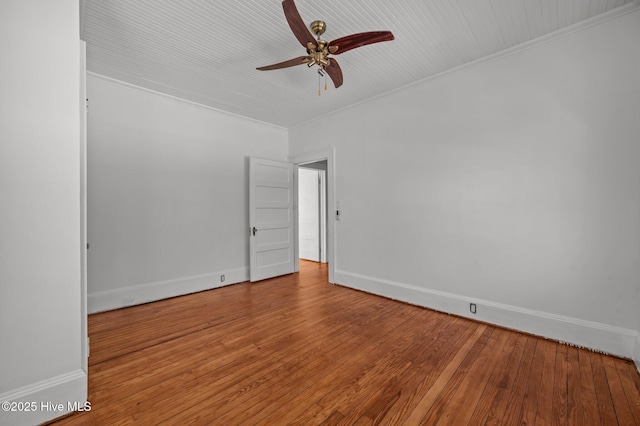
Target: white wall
168,194
40,302
513,183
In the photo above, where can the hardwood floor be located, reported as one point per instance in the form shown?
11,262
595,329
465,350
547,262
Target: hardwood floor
297,350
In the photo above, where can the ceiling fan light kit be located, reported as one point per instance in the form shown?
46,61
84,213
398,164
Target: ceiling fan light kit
318,50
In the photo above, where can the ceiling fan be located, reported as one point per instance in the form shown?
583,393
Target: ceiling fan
318,50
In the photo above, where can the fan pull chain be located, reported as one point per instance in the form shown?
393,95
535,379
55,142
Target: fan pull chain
321,73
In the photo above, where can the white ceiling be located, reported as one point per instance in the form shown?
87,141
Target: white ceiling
206,51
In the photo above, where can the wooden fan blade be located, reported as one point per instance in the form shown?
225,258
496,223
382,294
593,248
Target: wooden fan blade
290,63
335,72
296,23
352,41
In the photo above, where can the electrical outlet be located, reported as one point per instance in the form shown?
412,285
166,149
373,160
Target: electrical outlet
221,278
472,308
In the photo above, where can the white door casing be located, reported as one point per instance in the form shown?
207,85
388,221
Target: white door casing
271,219
323,215
328,154
83,106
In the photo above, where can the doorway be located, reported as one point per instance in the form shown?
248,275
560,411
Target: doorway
301,160
312,211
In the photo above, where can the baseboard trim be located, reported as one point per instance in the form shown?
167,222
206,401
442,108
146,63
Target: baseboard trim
151,292
46,400
596,336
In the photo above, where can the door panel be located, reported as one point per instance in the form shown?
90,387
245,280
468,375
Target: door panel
270,218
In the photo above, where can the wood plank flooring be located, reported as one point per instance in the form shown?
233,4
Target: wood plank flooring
297,350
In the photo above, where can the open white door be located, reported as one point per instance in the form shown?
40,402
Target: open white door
309,214
271,246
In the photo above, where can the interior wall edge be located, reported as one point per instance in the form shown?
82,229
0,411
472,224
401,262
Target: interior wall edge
612,340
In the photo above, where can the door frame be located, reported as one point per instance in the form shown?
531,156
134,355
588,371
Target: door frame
83,106
328,154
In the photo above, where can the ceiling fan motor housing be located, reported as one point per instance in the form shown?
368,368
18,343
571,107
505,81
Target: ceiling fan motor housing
318,27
